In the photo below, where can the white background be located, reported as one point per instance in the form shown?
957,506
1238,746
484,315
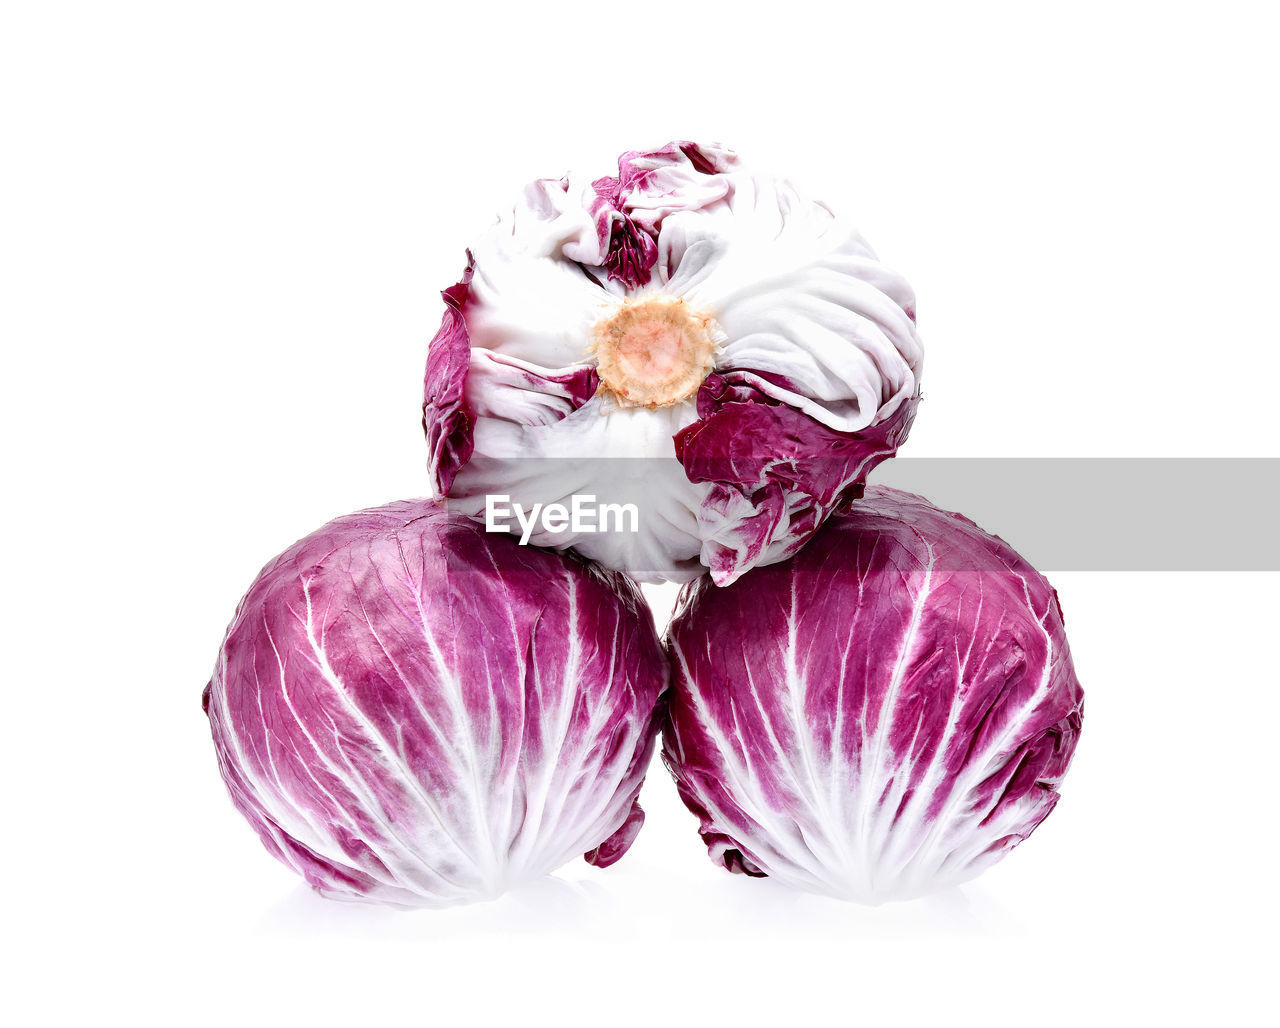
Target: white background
224,231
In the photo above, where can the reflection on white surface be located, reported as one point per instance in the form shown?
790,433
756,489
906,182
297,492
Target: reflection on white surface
550,904
617,903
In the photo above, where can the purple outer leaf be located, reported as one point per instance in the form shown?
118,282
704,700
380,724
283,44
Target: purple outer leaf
883,715
447,419
778,473
411,710
612,849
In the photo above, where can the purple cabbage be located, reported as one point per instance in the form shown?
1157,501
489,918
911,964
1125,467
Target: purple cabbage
410,710
887,713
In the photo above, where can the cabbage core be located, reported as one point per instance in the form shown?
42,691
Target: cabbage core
654,351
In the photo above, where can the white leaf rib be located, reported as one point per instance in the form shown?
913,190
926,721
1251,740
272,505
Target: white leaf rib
372,733
742,785
451,691
979,768
278,805
876,765
355,785
566,700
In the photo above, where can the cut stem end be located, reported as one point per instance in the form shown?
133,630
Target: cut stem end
654,352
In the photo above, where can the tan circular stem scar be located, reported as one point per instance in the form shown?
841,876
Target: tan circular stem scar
654,351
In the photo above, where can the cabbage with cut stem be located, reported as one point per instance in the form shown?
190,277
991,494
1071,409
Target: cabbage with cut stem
690,337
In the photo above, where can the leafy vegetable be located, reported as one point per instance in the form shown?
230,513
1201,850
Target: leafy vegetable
689,337
885,714
410,710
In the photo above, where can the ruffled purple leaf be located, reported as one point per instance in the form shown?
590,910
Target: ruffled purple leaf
612,849
630,246
447,419
777,472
